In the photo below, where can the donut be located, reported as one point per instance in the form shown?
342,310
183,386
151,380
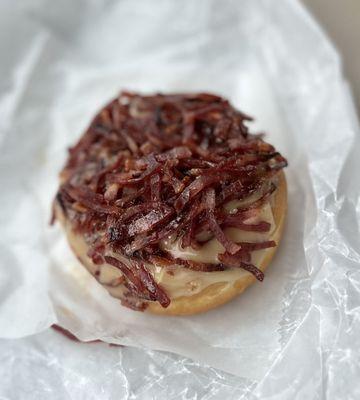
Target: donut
170,202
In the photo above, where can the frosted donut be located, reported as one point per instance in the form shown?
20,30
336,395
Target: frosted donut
170,203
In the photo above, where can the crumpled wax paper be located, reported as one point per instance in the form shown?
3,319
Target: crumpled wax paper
295,335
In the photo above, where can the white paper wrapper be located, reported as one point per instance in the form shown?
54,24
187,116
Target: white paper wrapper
292,336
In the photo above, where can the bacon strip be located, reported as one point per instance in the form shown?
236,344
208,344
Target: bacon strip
140,280
228,244
241,261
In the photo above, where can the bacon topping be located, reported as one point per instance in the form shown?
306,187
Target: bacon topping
159,167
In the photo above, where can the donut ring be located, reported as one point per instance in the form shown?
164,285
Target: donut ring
150,168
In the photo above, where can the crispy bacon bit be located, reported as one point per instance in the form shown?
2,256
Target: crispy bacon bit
257,246
198,266
155,186
140,281
149,221
143,241
196,187
228,244
259,275
93,201
160,167
241,260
